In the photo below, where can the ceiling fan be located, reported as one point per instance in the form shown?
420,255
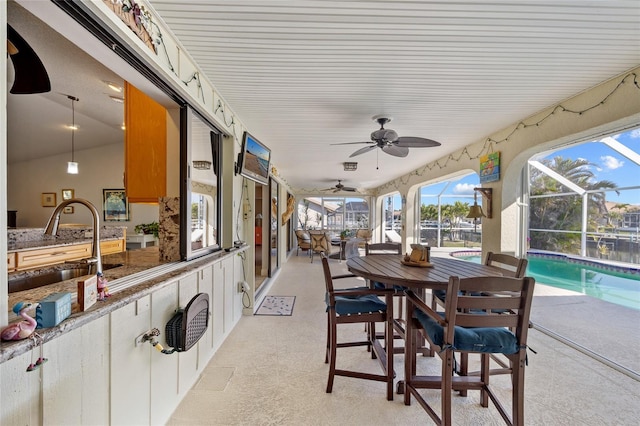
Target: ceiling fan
389,141
340,187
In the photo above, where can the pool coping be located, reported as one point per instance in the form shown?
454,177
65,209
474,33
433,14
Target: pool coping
609,266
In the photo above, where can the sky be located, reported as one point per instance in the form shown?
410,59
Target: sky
607,164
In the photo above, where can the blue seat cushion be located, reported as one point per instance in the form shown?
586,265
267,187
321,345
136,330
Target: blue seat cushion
349,305
481,339
439,294
379,286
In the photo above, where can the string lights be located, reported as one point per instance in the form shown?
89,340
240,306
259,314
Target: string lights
489,143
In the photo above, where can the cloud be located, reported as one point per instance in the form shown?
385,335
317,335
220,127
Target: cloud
611,163
635,134
463,189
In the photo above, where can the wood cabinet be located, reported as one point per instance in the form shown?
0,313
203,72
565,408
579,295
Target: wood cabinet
11,262
112,246
40,257
145,157
50,256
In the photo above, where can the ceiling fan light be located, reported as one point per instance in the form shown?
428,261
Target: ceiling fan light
390,135
72,168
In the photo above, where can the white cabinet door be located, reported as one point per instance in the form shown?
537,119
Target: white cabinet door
78,368
230,290
130,364
205,345
217,310
188,361
20,392
164,367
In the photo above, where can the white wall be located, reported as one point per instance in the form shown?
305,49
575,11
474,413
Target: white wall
100,168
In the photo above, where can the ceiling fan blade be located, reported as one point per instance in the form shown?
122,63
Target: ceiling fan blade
396,151
350,143
30,74
349,189
363,150
415,142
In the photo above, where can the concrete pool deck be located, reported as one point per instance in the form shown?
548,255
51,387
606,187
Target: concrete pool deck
610,330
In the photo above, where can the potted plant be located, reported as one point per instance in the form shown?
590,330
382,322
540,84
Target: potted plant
344,234
147,228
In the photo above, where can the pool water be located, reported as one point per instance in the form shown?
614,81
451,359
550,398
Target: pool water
586,278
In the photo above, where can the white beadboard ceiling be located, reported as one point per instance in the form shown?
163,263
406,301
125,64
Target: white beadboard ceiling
302,75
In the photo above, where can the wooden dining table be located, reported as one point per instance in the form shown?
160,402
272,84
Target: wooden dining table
388,269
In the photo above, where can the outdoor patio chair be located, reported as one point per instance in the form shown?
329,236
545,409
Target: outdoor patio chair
393,236
479,317
358,305
320,243
304,241
509,266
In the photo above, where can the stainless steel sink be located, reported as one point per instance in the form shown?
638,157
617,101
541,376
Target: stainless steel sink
55,276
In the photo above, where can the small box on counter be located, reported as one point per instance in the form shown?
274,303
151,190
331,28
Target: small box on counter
87,292
53,309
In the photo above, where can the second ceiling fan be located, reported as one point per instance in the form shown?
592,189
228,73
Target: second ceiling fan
389,141
340,187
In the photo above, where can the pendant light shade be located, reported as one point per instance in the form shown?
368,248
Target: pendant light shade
72,166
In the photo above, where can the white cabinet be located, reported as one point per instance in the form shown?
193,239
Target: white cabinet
188,361
217,306
164,368
230,290
205,345
96,374
130,368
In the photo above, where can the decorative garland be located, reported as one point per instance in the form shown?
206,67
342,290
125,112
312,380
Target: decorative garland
488,145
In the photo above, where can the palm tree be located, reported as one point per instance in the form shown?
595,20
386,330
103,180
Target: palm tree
564,211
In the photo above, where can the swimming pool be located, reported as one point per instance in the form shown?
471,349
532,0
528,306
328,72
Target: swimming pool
615,284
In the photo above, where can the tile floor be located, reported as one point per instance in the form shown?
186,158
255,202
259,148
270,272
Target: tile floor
271,371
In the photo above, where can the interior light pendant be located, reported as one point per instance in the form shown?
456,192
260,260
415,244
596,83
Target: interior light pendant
72,166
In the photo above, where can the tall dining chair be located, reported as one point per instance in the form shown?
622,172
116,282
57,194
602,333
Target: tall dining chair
390,248
483,315
358,305
509,266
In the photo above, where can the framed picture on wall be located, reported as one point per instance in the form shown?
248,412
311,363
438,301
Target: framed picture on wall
67,194
115,205
48,199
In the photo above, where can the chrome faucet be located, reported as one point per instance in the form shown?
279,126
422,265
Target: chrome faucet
54,221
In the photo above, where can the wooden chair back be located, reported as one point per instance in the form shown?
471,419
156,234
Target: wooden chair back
382,248
510,266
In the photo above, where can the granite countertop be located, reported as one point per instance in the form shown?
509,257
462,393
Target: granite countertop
121,285
32,238
48,243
